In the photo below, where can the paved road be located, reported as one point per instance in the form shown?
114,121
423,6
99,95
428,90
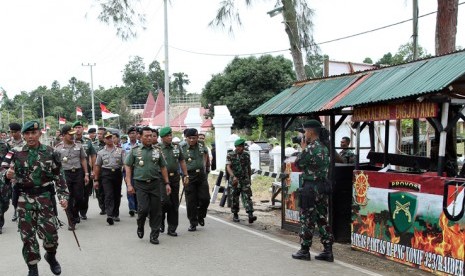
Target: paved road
219,248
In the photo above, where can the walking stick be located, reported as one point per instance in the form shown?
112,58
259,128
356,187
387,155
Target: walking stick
74,233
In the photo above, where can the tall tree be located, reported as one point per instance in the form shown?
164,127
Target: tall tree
123,15
298,26
136,79
180,79
446,26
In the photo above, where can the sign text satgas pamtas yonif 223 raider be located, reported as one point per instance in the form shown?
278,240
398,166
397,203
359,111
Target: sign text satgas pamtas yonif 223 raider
406,110
417,220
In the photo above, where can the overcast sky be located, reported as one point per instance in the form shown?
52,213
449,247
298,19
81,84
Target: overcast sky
43,41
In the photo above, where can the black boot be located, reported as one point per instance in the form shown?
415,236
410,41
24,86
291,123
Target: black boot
252,218
303,253
140,228
33,270
236,218
327,254
52,261
162,227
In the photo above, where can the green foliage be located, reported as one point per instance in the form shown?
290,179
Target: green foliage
314,67
404,54
246,83
257,131
368,60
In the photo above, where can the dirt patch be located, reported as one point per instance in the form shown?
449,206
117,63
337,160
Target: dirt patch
269,221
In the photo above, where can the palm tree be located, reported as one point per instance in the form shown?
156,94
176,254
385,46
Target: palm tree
298,26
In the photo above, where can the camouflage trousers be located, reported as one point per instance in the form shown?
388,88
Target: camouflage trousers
243,191
5,195
317,215
37,218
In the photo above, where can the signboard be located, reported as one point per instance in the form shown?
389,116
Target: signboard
416,220
406,110
291,199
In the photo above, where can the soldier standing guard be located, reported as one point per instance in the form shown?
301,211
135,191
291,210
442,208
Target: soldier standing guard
35,168
238,166
174,160
148,162
197,190
73,161
108,172
314,162
90,159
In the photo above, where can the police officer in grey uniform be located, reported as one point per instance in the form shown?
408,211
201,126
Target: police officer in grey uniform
108,171
73,160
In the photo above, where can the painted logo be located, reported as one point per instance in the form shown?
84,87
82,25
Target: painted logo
361,187
453,203
402,208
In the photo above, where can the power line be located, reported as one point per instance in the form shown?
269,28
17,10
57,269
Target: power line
314,44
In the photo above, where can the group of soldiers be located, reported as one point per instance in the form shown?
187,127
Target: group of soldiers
33,174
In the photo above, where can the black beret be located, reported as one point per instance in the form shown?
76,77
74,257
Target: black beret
67,129
131,129
191,132
15,126
92,130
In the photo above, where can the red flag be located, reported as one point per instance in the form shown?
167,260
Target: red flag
62,121
106,114
78,111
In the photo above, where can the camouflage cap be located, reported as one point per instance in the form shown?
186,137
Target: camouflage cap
30,125
165,131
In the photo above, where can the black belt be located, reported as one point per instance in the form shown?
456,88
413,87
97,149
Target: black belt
73,170
112,170
145,181
193,171
173,174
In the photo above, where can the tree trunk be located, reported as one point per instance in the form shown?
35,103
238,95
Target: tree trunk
446,26
292,30
446,30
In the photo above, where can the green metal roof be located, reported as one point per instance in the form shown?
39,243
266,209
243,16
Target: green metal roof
402,81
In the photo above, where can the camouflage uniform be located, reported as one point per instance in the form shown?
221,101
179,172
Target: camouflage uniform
240,165
347,155
36,169
17,145
314,162
5,195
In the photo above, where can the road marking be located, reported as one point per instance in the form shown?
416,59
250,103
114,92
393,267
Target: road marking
293,246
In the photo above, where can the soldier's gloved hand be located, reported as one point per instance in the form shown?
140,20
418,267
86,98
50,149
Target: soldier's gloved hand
185,180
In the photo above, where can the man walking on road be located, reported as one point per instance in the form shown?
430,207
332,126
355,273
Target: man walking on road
174,160
197,192
35,168
132,199
108,171
16,141
238,166
99,144
73,160
314,163
148,163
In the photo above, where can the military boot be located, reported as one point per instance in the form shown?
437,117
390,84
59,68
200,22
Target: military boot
327,254
252,218
303,253
140,228
33,270
236,217
52,261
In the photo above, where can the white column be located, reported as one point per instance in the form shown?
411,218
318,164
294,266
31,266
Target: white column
276,155
193,119
254,150
222,122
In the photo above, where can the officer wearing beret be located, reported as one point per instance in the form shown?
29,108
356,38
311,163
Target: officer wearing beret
174,159
36,167
131,143
90,159
16,141
108,171
314,163
148,164
238,166
74,163
197,190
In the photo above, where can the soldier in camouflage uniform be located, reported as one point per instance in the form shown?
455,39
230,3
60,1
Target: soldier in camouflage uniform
35,168
238,166
5,185
346,154
16,141
314,163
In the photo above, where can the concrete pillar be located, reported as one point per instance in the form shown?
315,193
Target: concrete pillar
222,122
254,150
276,155
193,119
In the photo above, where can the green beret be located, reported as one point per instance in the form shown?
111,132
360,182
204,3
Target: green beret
77,123
239,142
30,125
312,124
165,131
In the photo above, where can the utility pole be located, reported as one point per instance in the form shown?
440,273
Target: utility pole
416,122
91,90
167,78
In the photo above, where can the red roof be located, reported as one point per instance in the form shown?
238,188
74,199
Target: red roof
152,107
